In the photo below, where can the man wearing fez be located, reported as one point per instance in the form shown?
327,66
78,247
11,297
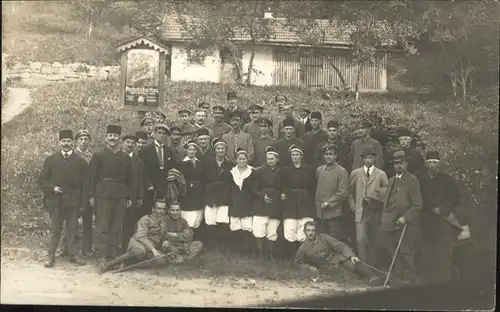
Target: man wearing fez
367,191
63,181
253,127
440,196
331,190
304,117
314,140
233,105
186,125
158,159
206,107
365,140
262,142
177,144
236,138
142,141
205,150
219,127
136,190
298,125
112,181
402,205
416,165
199,121
147,125
283,145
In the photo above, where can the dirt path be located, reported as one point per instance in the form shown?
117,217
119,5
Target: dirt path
18,100
29,282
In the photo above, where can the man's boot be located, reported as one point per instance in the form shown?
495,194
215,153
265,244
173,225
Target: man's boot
106,266
260,248
270,250
50,260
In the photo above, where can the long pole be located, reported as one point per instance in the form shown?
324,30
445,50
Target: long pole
395,255
382,272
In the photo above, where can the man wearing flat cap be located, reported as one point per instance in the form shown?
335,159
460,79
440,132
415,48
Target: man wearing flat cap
253,127
305,118
367,190
441,197
158,160
63,181
289,139
129,142
262,142
234,105
147,125
112,180
402,206
416,165
236,138
297,124
218,126
364,140
177,144
314,140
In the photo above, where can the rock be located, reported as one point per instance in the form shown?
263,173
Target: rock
64,70
36,66
72,74
47,70
56,64
25,75
56,77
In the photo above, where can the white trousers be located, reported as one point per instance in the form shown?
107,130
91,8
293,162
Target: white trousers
244,224
193,218
294,229
265,227
214,215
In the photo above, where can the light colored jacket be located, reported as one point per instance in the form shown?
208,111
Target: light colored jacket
359,188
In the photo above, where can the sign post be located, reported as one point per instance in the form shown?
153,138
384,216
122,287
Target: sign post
142,80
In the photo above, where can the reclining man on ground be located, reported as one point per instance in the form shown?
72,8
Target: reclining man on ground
180,235
150,236
322,253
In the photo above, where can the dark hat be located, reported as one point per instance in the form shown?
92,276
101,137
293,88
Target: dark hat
296,148
366,124
141,135
432,155
327,147
282,95
288,122
161,114
404,132
190,142
204,105
202,132
256,107
235,113
369,150
398,156
231,95
184,110
82,133
175,129
332,124
266,121
240,150
65,134
219,107
114,129
218,141
271,150
129,137
163,126
316,115
146,120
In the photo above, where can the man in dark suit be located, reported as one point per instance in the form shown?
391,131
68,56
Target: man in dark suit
112,179
304,116
136,190
402,205
63,181
158,160
233,106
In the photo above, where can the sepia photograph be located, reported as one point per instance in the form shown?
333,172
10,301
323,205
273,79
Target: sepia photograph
262,154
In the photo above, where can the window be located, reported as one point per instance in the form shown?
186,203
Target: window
195,56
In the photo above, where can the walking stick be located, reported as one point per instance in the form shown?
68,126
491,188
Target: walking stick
395,255
382,272
142,262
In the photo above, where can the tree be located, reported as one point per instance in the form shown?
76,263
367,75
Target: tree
90,11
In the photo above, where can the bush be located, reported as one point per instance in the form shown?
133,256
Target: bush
466,136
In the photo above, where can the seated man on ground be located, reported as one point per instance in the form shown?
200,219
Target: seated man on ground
180,235
149,238
322,252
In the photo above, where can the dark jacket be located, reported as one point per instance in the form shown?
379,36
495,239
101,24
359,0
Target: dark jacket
241,195
194,198
153,176
282,147
313,143
267,182
137,190
299,186
217,182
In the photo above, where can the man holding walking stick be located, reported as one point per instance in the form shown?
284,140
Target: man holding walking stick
399,227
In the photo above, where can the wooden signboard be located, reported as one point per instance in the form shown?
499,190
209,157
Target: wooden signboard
142,80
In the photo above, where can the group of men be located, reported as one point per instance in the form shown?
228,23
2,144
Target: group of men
158,168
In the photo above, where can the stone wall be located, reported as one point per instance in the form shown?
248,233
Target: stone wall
42,72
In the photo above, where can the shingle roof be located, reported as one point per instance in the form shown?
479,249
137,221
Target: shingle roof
280,32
